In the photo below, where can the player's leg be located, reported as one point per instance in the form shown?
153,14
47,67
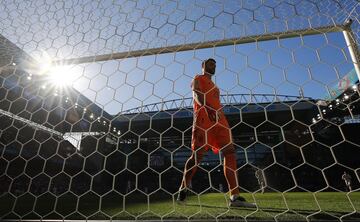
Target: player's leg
198,144
230,167
198,147
220,138
189,171
191,167
348,183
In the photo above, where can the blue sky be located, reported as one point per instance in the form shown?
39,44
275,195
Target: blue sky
68,29
282,67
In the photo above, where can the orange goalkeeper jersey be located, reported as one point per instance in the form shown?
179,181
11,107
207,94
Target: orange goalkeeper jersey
207,133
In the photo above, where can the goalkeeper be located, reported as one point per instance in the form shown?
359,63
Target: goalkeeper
211,131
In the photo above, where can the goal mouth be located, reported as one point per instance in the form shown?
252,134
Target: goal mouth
97,117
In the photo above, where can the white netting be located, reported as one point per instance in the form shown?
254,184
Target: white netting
96,108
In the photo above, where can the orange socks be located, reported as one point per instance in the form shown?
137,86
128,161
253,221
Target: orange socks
230,168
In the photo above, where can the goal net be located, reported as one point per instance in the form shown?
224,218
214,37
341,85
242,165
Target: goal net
96,108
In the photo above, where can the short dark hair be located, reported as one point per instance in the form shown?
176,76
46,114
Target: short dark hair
207,60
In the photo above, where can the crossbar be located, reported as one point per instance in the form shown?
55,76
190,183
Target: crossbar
201,45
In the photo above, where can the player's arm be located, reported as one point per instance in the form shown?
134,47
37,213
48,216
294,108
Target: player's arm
198,95
200,99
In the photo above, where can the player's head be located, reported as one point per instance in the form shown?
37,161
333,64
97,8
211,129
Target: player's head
209,66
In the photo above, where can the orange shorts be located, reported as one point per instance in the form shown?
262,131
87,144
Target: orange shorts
216,137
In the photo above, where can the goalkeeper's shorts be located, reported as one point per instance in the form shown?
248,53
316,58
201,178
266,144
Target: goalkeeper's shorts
216,137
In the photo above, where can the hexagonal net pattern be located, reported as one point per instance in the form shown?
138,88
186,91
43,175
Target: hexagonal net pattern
96,109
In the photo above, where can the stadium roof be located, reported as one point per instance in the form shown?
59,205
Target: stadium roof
11,53
13,63
228,99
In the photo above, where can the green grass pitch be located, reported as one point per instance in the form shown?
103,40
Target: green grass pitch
272,206
294,206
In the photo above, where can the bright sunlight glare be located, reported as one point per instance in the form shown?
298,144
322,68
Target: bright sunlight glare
59,75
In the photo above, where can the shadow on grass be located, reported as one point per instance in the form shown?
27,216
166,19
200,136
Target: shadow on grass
335,215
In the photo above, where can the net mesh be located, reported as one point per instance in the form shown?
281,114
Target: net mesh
96,109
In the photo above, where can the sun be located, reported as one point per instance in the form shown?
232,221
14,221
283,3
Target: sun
58,75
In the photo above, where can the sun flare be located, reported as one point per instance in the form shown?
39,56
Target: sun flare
58,75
